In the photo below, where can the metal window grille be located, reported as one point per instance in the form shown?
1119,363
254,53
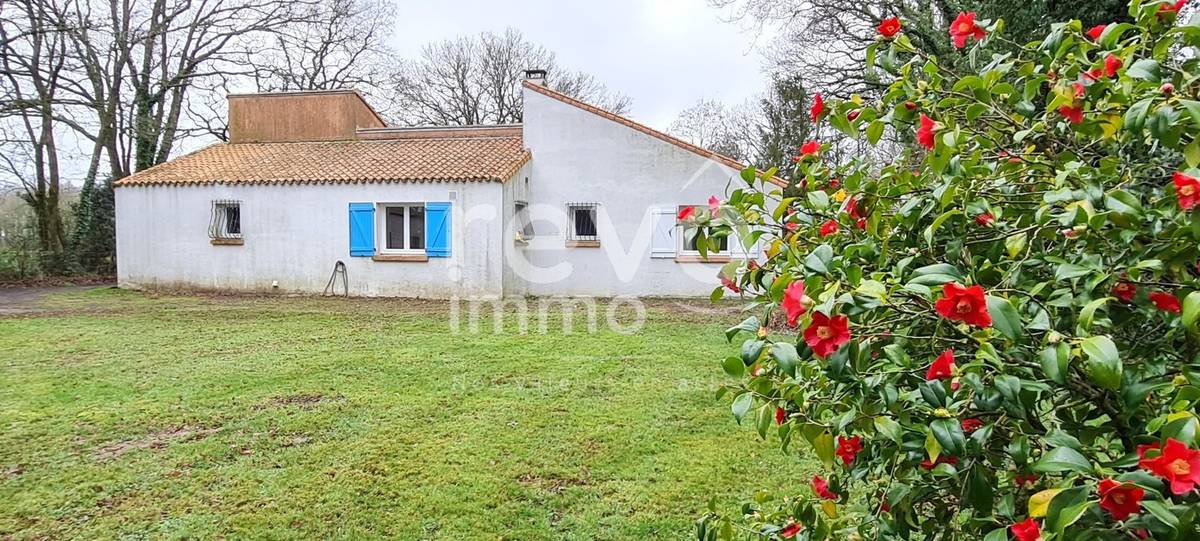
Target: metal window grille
226,222
583,221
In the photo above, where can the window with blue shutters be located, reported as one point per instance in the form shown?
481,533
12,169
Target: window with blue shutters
362,229
438,229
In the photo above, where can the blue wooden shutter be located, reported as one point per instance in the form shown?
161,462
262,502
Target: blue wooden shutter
437,229
362,229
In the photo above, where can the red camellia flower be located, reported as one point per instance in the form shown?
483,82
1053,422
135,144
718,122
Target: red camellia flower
1027,531
780,415
1073,113
889,27
943,459
1120,499
964,27
793,302
811,148
1171,9
826,334
925,132
1176,464
818,107
714,204
848,448
851,207
1187,189
1091,75
1112,63
942,367
985,219
821,487
1079,89
964,304
971,425
852,115
790,530
685,213
1124,291
830,227
1167,88
1096,31
1022,479
729,283
1166,302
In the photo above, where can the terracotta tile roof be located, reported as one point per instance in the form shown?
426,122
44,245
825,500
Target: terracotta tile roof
421,159
719,158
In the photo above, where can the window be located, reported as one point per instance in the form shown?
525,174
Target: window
403,228
523,226
582,226
226,221
687,241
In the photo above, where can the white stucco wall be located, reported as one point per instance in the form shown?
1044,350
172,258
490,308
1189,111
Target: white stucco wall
295,233
581,157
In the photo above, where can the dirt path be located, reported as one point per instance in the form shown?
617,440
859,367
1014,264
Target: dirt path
24,300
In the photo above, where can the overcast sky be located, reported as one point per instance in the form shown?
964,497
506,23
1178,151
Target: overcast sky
664,54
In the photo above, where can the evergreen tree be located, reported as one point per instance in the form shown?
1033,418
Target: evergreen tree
93,240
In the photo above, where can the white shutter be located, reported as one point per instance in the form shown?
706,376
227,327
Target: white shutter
663,244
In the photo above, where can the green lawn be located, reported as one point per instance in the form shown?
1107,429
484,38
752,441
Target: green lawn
128,416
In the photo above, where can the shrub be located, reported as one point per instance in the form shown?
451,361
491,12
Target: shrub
997,334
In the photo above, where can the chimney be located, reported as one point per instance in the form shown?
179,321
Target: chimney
535,76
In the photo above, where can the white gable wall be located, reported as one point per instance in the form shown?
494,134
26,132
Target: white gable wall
295,233
582,157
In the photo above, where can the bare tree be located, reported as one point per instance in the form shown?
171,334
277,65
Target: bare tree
717,127
825,41
121,79
477,80
34,61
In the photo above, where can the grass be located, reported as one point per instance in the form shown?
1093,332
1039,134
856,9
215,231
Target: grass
130,416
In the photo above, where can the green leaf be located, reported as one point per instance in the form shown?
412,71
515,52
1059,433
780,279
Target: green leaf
734,367
820,259
1015,245
823,446
1135,117
1062,459
1005,317
1162,513
749,325
937,223
1066,508
1146,69
1055,361
875,131
889,428
1104,361
1191,312
785,354
949,435
741,405
1088,314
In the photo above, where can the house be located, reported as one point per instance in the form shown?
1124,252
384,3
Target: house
573,201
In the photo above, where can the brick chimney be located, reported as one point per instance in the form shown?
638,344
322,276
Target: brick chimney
319,115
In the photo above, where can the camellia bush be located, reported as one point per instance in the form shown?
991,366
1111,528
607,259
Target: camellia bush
994,336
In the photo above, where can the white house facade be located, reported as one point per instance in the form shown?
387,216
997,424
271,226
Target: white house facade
574,201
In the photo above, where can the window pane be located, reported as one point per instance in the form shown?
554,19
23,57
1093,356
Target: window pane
233,220
416,228
690,243
585,222
394,226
